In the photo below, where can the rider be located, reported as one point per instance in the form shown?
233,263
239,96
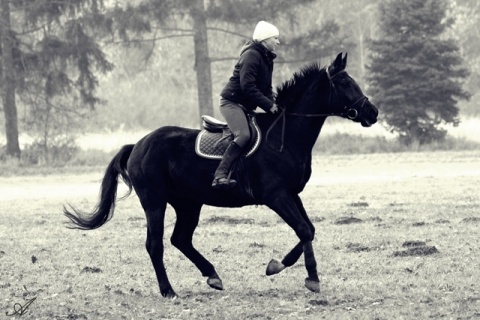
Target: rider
249,87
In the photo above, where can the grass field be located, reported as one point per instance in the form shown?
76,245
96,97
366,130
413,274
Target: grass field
397,238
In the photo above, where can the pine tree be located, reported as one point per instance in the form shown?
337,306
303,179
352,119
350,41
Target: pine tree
415,73
52,57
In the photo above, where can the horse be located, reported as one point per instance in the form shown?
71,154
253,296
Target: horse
163,167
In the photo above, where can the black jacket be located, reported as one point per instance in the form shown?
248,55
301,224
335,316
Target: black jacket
251,83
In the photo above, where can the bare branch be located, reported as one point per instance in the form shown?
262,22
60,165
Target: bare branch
279,61
24,32
154,39
223,59
174,29
228,32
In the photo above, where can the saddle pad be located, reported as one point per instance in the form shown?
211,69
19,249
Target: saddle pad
208,144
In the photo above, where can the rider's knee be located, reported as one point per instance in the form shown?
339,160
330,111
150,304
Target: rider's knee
242,138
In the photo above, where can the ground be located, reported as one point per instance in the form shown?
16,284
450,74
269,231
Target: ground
397,238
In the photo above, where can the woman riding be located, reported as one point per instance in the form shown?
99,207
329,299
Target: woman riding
249,87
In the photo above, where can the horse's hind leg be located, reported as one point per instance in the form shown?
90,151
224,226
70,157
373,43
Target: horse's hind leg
155,206
188,215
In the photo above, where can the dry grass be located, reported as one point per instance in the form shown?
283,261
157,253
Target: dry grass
398,203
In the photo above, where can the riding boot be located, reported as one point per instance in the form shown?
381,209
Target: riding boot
221,179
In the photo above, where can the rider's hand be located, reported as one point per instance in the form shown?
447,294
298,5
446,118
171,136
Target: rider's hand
274,108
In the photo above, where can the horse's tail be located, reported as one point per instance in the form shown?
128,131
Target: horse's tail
103,212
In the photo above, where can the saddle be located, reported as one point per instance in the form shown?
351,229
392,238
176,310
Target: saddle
214,138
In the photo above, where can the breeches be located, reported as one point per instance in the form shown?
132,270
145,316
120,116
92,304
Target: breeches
236,120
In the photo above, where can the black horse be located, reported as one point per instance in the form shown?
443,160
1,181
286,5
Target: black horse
163,168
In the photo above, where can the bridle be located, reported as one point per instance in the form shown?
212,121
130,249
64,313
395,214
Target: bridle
348,111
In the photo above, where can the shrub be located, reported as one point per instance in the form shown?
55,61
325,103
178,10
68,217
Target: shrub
59,152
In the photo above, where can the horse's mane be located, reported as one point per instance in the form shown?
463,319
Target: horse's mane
300,81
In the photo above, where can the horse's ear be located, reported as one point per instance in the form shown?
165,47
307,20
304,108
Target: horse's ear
338,64
344,62
338,61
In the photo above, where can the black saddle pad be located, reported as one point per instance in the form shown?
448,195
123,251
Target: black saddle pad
212,145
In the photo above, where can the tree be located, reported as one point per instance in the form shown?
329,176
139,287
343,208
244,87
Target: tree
158,20
51,57
357,21
416,73
467,32
8,82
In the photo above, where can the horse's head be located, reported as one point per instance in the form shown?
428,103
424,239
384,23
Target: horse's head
346,97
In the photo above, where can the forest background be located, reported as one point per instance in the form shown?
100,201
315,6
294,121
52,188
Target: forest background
153,80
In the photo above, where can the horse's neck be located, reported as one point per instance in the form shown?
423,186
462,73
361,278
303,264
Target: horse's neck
302,133
303,121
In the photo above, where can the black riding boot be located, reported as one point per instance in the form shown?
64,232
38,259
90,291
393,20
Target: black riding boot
220,179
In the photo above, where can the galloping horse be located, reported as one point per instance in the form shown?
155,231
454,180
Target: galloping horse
163,168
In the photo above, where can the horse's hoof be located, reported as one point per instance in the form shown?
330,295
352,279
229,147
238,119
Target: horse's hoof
312,285
215,283
274,267
170,294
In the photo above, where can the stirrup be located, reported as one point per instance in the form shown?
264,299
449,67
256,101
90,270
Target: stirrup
223,183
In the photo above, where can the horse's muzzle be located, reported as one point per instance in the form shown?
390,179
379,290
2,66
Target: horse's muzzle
369,114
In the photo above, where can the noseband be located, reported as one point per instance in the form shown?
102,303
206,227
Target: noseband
352,113
348,111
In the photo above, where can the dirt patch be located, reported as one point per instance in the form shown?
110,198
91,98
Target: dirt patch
416,251
413,243
348,220
318,302
256,245
359,204
471,220
418,224
91,270
136,219
357,247
317,219
5,285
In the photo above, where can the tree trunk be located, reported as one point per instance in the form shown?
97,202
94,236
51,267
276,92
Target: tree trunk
8,79
202,59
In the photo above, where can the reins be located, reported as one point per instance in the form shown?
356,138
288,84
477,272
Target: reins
283,115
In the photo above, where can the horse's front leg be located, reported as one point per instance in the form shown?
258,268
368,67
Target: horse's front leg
292,257
312,282
291,209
